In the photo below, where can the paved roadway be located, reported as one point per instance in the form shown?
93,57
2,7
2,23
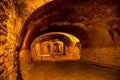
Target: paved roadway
70,70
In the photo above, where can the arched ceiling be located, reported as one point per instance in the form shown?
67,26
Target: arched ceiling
87,20
68,39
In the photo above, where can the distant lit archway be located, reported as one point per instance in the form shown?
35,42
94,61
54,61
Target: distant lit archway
55,46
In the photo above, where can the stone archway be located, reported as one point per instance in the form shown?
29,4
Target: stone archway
56,46
74,17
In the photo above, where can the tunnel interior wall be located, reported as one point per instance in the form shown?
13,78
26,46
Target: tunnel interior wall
97,28
14,13
107,57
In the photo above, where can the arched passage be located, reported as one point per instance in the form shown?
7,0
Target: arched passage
55,46
49,19
41,22
88,20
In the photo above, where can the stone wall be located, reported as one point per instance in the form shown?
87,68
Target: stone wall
13,14
107,57
8,58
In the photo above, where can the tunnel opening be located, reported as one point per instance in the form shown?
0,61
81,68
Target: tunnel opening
39,24
29,53
55,46
77,19
76,31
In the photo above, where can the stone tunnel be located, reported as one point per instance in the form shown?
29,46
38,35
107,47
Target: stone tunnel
60,40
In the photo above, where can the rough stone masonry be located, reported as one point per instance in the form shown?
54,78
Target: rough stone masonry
99,19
